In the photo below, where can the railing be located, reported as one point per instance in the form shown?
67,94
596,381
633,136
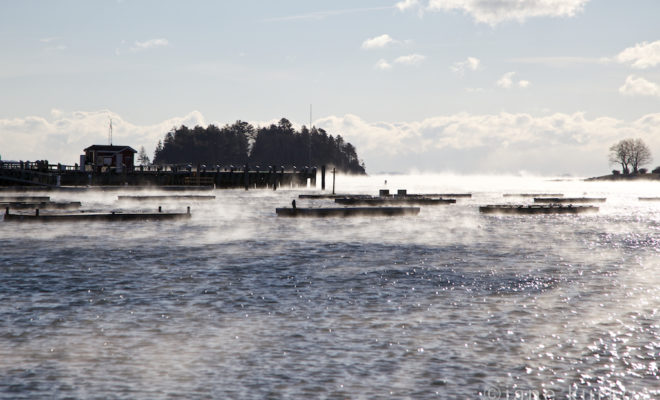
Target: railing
44,166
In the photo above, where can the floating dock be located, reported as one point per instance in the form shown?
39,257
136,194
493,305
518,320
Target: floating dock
649,198
69,205
167,197
569,199
112,216
346,211
533,195
436,195
333,196
32,199
536,209
393,200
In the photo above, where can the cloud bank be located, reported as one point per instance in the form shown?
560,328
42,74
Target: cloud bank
502,143
463,142
63,136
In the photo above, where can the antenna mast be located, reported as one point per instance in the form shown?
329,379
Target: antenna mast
309,141
110,132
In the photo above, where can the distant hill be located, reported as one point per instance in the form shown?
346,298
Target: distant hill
241,143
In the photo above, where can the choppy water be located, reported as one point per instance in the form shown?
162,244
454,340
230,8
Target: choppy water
238,303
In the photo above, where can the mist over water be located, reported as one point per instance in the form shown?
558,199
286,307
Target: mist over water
238,303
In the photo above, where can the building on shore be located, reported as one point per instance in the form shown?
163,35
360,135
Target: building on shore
99,158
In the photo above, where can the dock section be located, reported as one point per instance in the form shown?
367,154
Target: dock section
86,217
536,209
394,201
20,205
569,200
346,211
533,195
166,197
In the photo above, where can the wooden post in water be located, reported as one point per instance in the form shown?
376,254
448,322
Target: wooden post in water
323,177
36,212
6,210
334,170
247,177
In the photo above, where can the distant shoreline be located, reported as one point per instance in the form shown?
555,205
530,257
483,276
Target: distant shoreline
636,177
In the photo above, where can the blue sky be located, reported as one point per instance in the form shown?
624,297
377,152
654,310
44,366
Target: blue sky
469,86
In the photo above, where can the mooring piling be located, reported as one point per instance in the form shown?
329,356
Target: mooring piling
323,177
334,170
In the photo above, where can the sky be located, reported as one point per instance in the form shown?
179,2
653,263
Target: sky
464,86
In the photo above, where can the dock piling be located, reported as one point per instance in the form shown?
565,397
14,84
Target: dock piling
36,212
323,177
334,171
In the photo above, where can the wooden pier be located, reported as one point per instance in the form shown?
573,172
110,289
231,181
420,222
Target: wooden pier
44,175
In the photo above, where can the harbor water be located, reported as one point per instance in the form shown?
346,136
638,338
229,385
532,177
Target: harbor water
238,303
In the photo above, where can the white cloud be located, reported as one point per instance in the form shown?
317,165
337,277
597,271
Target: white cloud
412,59
470,64
378,42
642,55
636,86
63,136
507,82
383,65
406,4
493,12
149,44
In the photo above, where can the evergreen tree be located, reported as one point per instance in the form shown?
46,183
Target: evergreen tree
272,146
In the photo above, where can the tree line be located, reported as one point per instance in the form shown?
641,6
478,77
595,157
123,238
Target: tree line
278,145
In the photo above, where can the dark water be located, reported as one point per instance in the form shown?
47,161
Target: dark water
237,303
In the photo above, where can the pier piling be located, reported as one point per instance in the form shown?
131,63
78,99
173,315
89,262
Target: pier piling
323,177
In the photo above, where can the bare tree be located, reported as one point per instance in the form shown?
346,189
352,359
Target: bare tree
641,155
630,154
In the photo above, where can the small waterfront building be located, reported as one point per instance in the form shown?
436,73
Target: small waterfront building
108,157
